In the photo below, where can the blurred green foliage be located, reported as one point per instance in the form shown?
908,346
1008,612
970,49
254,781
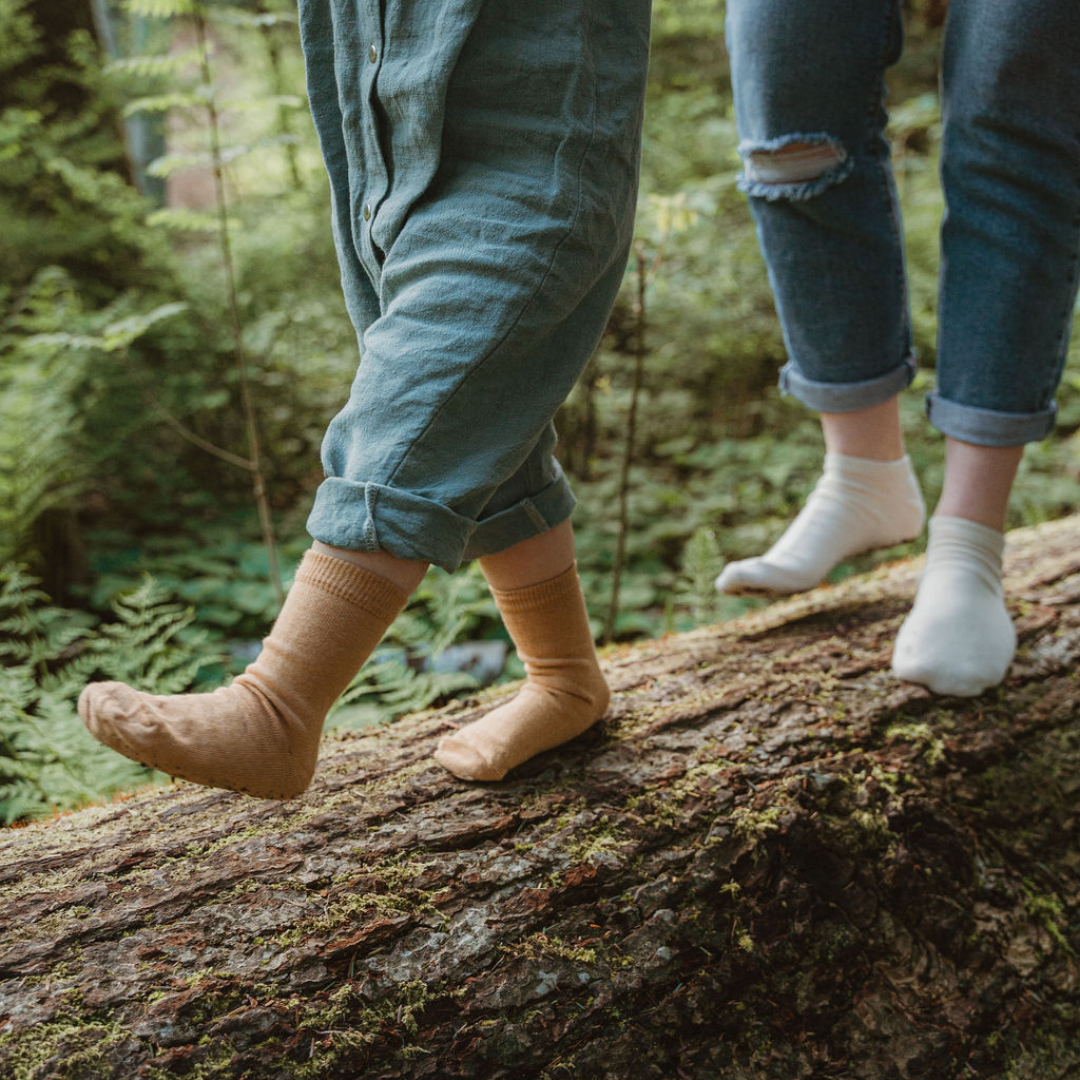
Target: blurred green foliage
115,352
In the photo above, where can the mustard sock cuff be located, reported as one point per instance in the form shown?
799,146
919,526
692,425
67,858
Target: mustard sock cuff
369,592
558,589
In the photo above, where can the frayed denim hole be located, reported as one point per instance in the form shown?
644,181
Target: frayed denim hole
793,167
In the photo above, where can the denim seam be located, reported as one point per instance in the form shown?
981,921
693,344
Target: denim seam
1067,315
524,307
881,170
533,514
371,535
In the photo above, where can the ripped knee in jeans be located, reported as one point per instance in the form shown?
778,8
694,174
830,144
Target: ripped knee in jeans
793,166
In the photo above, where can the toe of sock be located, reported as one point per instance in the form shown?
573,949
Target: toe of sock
954,682
116,716
463,760
103,705
740,579
755,577
947,673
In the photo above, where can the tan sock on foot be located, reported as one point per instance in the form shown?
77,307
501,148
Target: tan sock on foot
565,692
261,734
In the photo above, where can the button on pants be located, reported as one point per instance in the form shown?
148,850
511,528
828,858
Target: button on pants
483,163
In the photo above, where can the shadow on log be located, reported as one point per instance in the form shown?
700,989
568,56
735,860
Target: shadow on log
771,860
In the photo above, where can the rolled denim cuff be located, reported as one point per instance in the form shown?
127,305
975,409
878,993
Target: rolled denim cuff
988,427
830,397
530,517
372,517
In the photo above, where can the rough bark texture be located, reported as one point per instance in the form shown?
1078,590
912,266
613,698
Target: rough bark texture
771,860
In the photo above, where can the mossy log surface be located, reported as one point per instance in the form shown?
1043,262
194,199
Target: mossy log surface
771,860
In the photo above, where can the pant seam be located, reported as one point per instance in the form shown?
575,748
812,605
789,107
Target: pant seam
1067,314
882,170
370,532
533,514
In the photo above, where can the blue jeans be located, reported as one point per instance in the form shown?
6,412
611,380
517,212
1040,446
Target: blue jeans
809,75
483,163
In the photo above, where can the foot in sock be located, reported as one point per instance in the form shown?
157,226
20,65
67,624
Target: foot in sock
565,693
958,638
857,505
260,735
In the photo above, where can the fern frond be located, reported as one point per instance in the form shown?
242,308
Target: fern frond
181,219
160,9
121,333
276,101
387,687
148,66
701,562
48,759
60,341
159,103
234,16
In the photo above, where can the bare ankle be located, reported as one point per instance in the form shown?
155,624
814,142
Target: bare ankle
872,433
404,573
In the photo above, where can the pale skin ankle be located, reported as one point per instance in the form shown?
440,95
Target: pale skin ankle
872,433
404,573
978,481
540,558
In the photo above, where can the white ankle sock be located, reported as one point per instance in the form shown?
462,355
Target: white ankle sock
857,505
959,638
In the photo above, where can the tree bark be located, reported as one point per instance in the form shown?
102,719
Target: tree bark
771,860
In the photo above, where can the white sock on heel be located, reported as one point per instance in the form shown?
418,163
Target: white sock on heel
959,638
857,505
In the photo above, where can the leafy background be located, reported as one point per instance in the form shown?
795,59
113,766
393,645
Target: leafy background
168,282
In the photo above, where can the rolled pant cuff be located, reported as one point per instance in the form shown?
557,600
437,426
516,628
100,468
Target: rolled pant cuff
988,427
850,396
372,517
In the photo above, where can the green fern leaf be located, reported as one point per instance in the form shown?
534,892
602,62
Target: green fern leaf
161,9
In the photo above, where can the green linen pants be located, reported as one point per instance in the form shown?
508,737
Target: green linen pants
483,162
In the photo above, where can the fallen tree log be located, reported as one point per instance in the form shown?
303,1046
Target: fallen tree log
770,860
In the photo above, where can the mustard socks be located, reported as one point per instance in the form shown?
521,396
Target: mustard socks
565,692
260,735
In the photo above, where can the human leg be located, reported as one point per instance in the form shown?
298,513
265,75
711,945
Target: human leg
260,735
808,85
866,498
406,574
1010,240
872,433
959,638
483,227
528,315
536,587
1010,170
540,558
